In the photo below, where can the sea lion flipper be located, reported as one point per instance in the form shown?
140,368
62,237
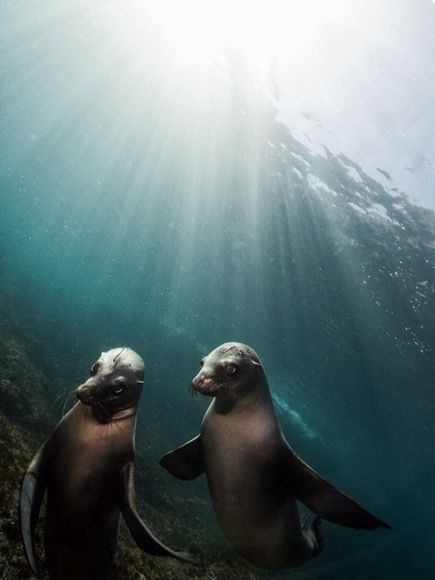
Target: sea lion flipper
311,528
31,496
144,538
185,462
327,501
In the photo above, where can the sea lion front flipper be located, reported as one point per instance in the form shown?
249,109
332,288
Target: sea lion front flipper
143,537
31,496
185,462
327,501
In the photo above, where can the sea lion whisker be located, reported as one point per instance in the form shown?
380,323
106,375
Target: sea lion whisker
61,394
59,400
67,399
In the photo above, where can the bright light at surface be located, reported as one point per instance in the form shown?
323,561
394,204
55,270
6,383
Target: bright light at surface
195,29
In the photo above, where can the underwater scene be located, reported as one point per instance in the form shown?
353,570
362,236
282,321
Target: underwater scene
217,292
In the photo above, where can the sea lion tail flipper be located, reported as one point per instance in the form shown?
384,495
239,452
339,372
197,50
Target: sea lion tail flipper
143,537
31,495
327,501
185,462
311,528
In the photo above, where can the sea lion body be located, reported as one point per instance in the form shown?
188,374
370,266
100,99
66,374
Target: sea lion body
86,469
252,507
82,516
254,477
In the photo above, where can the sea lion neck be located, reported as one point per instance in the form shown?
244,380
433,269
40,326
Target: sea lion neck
104,416
125,414
101,415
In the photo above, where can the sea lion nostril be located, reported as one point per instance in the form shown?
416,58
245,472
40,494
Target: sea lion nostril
84,396
199,381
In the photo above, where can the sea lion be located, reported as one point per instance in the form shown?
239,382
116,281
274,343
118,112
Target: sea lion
86,466
254,476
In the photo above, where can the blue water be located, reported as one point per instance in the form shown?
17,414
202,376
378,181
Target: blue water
142,207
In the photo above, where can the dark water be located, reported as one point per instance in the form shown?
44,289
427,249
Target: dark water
139,208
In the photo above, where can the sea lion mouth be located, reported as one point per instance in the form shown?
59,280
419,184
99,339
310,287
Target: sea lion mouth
206,387
85,396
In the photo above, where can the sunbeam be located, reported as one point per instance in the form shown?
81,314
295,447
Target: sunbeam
169,182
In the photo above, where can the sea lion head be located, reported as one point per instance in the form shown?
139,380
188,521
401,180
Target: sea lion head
230,369
115,383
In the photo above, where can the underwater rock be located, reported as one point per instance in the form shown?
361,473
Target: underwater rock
16,449
21,388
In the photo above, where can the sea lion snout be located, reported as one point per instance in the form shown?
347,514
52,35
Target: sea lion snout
204,384
85,394
200,381
197,382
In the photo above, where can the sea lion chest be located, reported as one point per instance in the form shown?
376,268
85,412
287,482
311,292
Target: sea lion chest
83,492
239,453
251,502
86,457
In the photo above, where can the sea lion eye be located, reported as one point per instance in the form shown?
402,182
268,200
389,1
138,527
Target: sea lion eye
230,369
201,363
118,386
95,368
